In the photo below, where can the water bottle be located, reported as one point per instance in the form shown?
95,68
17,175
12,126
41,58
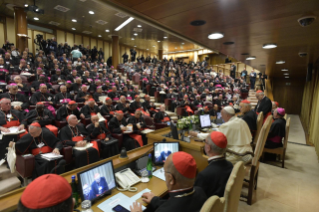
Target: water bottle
75,193
149,166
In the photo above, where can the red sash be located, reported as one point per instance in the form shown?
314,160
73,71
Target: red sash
166,119
112,112
44,149
53,129
15,123
188,109
145,113
102,136
138,138
93,114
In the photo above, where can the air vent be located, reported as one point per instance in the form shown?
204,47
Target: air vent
245,54
198,23
101,22
61,8
228,43
121,15
87,32
54,23
137,30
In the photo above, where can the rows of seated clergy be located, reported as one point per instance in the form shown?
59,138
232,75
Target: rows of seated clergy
46,89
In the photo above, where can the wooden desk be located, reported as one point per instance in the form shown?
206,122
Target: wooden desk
10,200
195,148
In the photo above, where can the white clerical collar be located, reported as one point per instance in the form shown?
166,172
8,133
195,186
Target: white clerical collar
178,190
215,157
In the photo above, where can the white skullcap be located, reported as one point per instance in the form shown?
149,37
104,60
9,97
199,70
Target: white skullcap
230,110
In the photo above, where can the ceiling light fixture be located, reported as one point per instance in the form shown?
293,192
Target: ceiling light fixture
91,12
280,62
99,36
286,77
139,25
134,46
147,49
284,69
107,30
26,5
165,37
269,46
124,24
286,73
74,20
35,18
216,35
251,58
153,46
175,47
135,34
132,39
73,29
158,41
183,43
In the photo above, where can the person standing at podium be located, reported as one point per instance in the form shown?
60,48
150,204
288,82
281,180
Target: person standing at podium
180,172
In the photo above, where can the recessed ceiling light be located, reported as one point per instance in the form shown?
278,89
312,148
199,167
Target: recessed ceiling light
286,77
147,49
158,41
99,35
284,69
139,25
26,5
251,58
269,46
134,46
124,24
107,30
35,18
216,35
183,43
280,62
153,46
74,20
37,9
132,39
73,29
135,34
91,12
286,73
175,47
165,37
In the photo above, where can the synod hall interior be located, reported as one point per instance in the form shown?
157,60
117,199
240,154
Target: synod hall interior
164,106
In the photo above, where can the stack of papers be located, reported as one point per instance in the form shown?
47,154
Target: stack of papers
147,131
88,145
160,174
51,156
13,131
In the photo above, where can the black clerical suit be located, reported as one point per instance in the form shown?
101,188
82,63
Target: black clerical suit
41,97
59,97
87,111
28,143
99,188
69,135
276,133
161,117
107,110
180,201
264,106
64,111
17,97
251,119
45,118
214,177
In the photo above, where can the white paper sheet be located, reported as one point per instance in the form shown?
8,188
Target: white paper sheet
159,174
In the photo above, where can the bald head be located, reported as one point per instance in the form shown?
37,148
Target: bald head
94,119
72,120
35,131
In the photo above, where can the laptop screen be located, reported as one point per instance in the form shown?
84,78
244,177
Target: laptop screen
205,121
97,181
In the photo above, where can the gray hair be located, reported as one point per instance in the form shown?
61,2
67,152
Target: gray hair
16,77
213,148
33,127
1,101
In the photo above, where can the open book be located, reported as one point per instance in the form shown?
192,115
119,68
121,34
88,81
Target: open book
51,156
88,145
13,131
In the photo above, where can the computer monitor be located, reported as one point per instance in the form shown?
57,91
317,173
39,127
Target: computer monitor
205,121
174,130
96,182
162,150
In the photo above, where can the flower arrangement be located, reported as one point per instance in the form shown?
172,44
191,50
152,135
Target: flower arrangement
188,122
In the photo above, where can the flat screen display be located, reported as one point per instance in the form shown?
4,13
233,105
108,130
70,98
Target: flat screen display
163,150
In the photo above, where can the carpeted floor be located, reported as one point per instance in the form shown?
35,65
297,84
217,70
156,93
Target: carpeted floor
296,132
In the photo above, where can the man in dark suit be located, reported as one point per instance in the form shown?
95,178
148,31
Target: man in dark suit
164,154
264,104
214,177
99,186
87,192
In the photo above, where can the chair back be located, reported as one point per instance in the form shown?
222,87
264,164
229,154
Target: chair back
233,187
148,120
267,125
285,117
213,204
287,133
259,147
260,120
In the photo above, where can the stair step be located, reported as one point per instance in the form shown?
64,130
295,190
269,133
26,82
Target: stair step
6,173
9,184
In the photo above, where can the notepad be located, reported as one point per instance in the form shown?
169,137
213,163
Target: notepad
13,131
51,156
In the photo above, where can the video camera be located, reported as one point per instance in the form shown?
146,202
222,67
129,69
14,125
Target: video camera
38,40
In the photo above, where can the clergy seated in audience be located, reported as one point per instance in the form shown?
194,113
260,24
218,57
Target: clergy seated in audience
39,141
114,95
161,116
277,130
35,86
22,87
214,177
186,103
138,123
40,114
18,101
237,133
149,106
43,195
70,108
136,104
90,109
76,135
98,93
211,112
62,97
58,78
118,125
180,172
122,105
83,94
249,116
98,130
42,96
107,108
274,106
264,104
